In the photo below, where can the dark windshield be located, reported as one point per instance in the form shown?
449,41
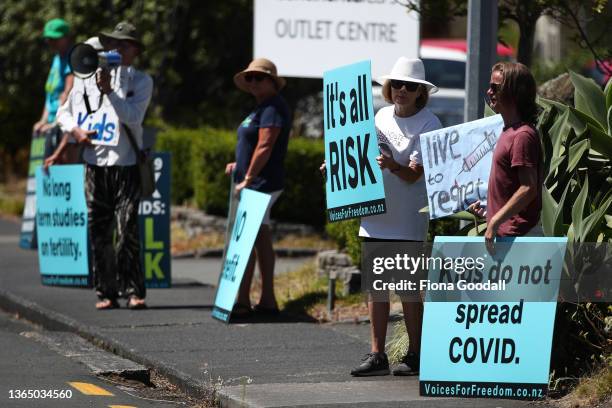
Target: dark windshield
445,73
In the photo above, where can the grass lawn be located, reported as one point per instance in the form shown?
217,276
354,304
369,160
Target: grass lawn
303,293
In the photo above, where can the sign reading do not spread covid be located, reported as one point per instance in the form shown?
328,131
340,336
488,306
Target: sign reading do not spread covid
354,186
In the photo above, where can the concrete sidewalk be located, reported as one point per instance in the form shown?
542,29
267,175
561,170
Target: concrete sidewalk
274,364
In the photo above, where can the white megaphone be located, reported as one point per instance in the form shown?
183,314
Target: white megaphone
84,60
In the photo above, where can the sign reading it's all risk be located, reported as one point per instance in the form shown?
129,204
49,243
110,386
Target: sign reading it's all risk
354,186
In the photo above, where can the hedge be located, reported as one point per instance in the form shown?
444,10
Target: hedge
179,142
199,159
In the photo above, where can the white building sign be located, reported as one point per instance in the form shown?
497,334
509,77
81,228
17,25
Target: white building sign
306,37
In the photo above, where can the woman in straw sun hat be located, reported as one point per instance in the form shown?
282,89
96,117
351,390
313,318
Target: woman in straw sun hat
398,129
260,152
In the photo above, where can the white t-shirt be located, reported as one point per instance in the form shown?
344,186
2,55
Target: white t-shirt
402,220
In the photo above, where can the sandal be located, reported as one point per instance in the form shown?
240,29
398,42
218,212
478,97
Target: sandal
107,304
137,304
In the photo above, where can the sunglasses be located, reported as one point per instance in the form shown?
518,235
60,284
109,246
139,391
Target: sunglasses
494,87
410,86
255,77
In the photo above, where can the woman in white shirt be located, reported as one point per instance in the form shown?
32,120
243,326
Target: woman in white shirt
398,130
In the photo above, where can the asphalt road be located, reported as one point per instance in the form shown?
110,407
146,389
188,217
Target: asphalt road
29,367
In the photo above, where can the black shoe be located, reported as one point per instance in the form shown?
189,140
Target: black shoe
372,364
409,365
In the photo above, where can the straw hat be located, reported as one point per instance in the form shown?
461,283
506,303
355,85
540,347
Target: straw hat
409,70
259,65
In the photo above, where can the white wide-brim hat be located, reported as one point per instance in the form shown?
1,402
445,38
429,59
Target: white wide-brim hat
409,70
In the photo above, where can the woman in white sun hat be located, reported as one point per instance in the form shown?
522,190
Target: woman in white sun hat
398,129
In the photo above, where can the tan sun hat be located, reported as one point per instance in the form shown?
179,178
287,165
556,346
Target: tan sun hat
259,65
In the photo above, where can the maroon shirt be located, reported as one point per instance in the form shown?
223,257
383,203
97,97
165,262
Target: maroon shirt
517,146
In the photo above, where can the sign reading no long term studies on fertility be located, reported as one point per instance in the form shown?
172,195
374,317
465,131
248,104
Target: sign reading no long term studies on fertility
457,163
61,222
354,186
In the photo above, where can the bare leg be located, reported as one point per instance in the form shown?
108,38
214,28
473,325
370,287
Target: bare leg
265,260
245,286
413,318
379,316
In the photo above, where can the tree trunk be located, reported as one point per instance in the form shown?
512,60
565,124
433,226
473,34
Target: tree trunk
526,39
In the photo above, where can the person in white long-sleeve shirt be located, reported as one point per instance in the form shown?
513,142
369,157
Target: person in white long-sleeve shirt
112,176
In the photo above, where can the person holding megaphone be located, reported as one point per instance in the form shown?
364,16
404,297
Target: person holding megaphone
104,113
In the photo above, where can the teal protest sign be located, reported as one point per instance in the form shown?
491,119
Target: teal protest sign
251,210
154,222
61,224
474,346
27,239
457,163
354,186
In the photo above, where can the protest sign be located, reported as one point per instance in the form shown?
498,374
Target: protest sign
61,224
473,346
457,162
100,116
154,223
330,34
249,215
27,239
354,186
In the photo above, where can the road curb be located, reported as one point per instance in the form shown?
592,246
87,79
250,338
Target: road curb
54,321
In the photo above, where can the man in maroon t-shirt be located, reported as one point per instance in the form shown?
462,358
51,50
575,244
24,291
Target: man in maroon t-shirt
514,198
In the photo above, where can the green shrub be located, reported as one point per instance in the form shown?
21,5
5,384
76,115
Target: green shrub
209,156
303,199
179,142
346,235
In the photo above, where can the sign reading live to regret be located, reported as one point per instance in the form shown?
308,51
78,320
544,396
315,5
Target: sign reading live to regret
354,186
457,164
332,33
